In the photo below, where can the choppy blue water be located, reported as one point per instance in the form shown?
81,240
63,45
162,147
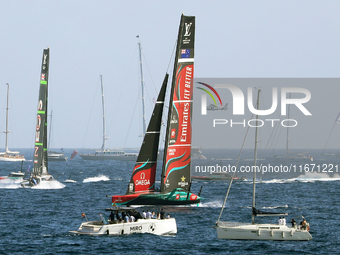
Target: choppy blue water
37,221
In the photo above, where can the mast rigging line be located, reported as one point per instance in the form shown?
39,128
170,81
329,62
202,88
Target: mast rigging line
331,132
147,65
231,180
88,122
134,110
124,85
172,56
255,157
152,80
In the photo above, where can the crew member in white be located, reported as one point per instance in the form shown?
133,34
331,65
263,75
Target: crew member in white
132,218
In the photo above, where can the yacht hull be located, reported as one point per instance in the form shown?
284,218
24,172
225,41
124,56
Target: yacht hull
124,157
12,158
272,232
154,198
56,158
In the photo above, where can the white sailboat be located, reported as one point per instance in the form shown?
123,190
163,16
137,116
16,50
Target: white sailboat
9,155
255,231
104,153
107,154
54,155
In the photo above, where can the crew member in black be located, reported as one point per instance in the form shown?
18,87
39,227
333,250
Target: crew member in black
112,216
293,223
162,214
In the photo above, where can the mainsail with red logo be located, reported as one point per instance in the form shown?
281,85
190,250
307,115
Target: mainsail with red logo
175,182
40,145
177,156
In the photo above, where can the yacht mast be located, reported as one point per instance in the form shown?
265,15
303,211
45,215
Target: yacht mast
6,132
103,103
287,141
142,83
255,158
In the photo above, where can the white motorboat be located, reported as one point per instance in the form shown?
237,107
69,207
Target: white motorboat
120,227
56,156
17,176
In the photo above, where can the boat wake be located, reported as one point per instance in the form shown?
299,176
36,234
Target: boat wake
275,181
312,177
72,181
49,185
275,207
267,207
96,179
308,177
9,184
211,204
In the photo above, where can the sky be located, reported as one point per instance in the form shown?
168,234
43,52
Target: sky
234,39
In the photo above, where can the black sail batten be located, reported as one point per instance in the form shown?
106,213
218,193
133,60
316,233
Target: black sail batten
40,166
144,174
177,150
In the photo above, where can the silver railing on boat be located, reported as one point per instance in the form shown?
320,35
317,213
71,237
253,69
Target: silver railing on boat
230,224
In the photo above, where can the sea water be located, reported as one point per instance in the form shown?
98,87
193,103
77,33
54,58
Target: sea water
37,221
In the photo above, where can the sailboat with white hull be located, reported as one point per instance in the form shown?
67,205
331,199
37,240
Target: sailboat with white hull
16,176
54,155
40,167
104,153
176,179
9,155
255,231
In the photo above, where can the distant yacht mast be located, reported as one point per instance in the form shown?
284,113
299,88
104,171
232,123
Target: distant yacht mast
287,141
104,125
142,83
9,155
6,132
